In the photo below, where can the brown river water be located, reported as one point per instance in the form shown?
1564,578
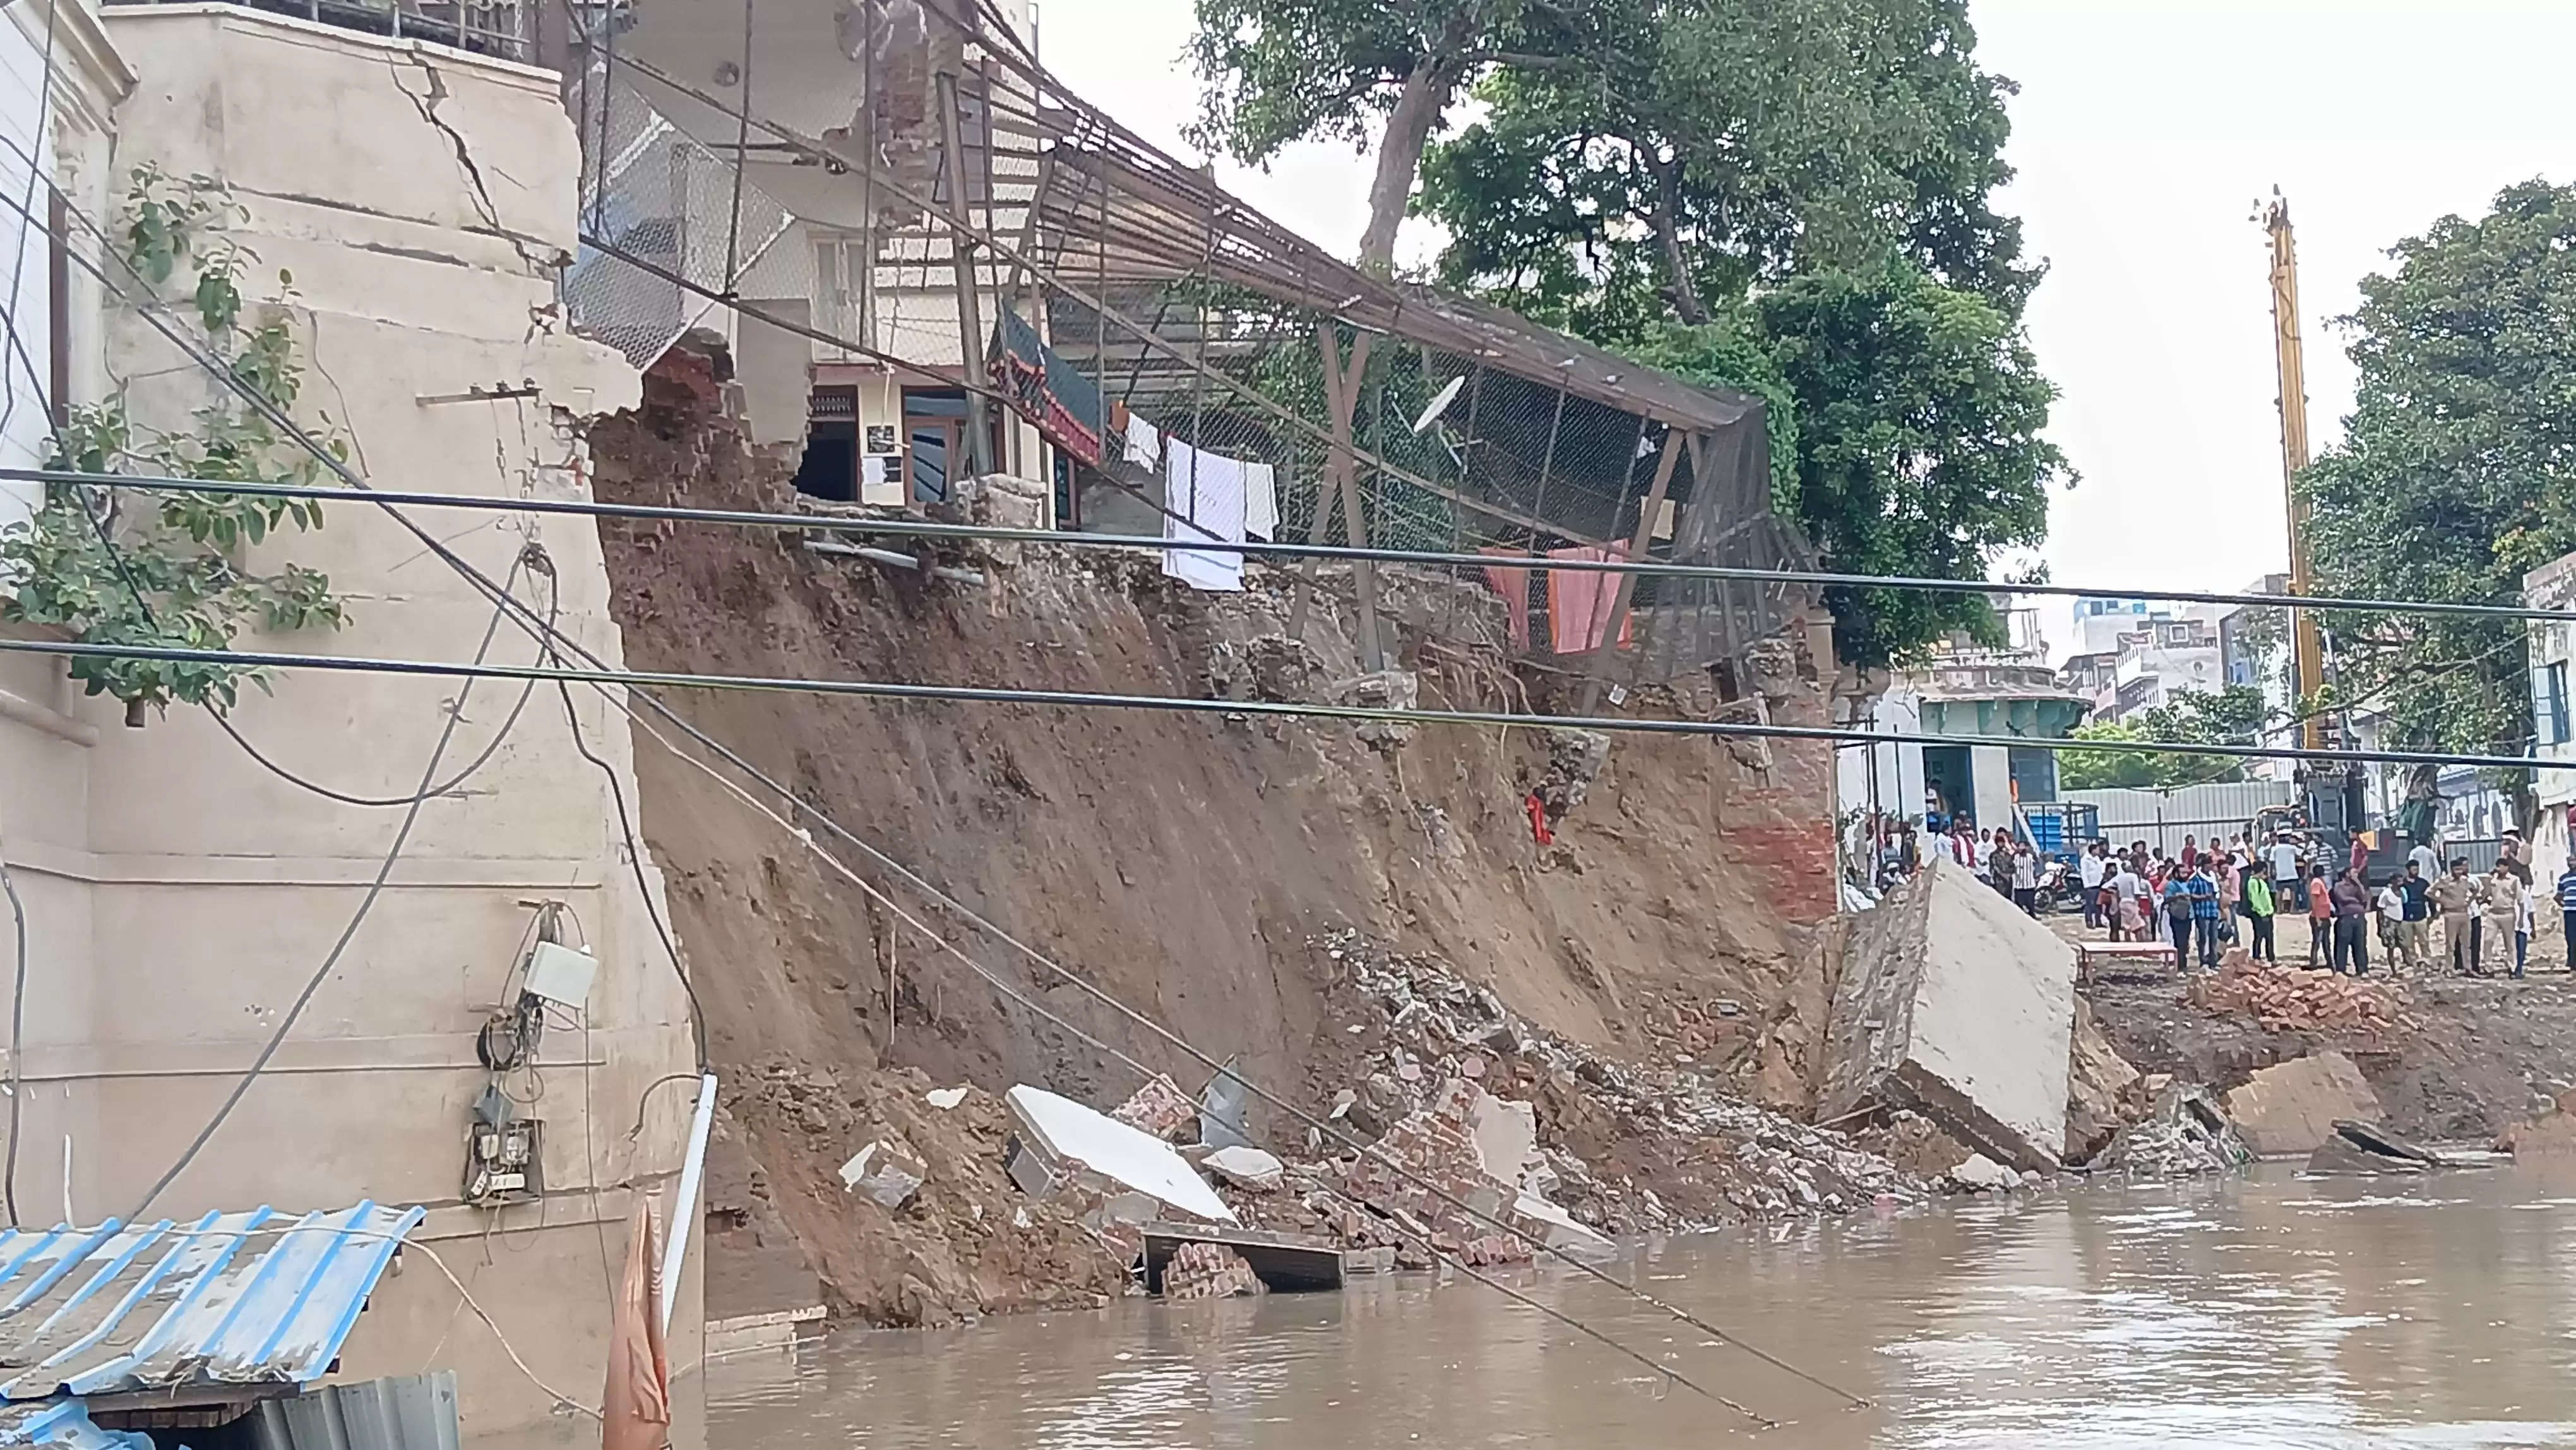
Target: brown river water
2271,1311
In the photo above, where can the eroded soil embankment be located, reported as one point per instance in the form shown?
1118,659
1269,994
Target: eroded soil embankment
1181,862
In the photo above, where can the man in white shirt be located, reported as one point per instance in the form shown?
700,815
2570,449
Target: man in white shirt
2128,893
2426,859
2284,857
2392,922
2090,868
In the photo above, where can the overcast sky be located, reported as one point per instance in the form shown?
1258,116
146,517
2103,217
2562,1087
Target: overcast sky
2144,133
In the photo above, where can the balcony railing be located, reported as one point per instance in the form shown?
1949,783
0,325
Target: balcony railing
504,29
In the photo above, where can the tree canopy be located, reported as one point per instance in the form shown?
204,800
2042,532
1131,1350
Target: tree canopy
2235,715
2457,471
1790,197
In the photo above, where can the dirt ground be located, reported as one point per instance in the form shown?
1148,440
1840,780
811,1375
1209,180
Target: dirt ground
1182,863
2469,1058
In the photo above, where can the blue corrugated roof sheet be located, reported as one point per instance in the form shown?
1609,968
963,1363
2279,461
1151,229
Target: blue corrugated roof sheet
257,1300
64,1425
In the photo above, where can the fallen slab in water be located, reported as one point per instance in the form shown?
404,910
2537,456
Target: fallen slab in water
1958,1006
1065,1134
1283,1262
2366,1148
2292,1108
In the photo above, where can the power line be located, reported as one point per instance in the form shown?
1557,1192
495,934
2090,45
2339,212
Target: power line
908,527
348,933
1183,704
1337,1130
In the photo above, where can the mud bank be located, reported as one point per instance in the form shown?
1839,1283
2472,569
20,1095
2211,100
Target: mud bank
1181,863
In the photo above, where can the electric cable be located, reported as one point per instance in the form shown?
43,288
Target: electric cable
635,859
905,527
348,933
1013,993
1192,705
492,747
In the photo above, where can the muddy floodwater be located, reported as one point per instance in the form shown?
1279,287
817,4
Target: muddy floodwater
2275,1311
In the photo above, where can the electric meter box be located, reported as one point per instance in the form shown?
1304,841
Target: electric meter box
561,974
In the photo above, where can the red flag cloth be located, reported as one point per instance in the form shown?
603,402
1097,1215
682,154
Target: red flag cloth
1538,821
635,1413
1513,585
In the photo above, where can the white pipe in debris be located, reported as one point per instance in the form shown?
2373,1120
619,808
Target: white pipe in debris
889,556
692,1169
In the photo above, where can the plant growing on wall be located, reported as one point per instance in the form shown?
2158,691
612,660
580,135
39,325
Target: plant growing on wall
170,569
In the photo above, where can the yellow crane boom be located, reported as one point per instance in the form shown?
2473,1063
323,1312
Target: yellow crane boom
2308,644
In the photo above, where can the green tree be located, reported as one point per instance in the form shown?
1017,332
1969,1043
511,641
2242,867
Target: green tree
1277,71
2457,471
1708,145
2235,715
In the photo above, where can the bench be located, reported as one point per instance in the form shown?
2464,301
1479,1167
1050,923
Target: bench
2089,952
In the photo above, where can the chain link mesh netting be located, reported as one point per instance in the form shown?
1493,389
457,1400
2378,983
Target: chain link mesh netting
1112,280
653,190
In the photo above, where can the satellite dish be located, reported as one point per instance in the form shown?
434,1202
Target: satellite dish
1440,402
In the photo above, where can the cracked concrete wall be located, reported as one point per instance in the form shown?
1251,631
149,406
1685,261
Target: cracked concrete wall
183,895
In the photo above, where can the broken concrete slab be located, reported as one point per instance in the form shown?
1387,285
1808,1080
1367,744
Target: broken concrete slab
1981,1174
2102,1090
886,1170
2365,1148
1289,1263
1956,1005
2290,1109
1506,1137
2184,1131
1247,1168
1549,1226
1067,1134
944,1098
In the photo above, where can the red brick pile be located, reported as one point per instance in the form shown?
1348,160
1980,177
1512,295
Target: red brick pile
1207,1271
1159,1108
2295,999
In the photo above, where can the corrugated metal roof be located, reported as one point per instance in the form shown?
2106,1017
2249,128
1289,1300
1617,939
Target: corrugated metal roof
64,1425
235,1299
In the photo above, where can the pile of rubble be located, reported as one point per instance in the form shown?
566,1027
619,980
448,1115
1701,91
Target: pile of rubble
2186,1132
1623,1148
2294,999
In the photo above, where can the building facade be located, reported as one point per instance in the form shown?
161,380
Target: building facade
402,207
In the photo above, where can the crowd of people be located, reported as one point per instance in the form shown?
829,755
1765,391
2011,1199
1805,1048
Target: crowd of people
2203,899
2196,898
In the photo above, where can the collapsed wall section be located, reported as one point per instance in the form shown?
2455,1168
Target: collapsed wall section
1181,862
1955,1004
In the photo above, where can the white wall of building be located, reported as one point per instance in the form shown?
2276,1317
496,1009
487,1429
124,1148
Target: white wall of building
179,896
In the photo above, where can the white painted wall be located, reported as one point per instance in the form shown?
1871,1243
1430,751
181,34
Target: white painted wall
25,292
179,896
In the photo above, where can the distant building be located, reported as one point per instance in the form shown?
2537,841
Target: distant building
2132,661
1967,689
2553,732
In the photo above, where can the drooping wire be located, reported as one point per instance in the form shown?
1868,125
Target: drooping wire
366,907
910,527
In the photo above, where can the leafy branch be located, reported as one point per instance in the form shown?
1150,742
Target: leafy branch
174,573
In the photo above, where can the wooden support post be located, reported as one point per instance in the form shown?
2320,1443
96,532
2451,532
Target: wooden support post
970,311
1627,586
1341,398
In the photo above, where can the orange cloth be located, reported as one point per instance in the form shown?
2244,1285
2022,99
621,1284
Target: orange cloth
635,1413
1513,585
1579,601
